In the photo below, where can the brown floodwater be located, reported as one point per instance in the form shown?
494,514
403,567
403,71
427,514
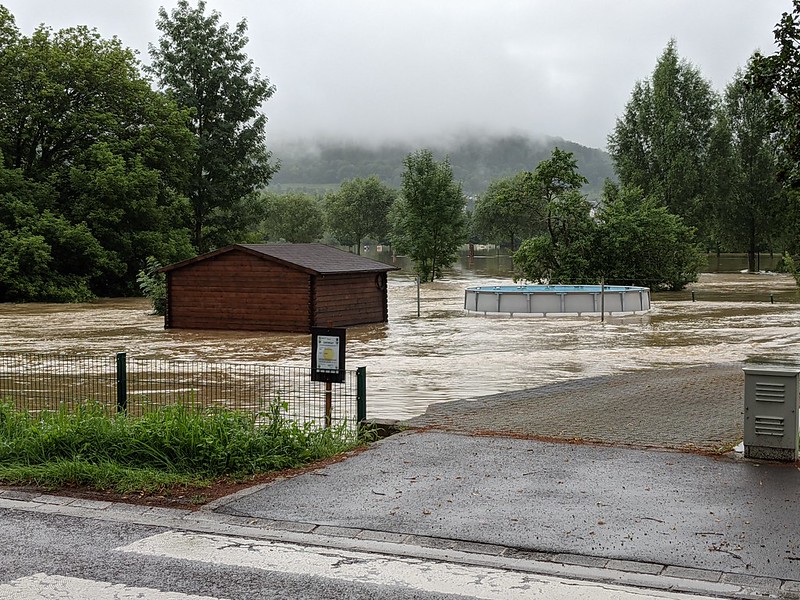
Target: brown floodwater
446,354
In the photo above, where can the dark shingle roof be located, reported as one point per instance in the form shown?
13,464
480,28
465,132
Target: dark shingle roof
317,259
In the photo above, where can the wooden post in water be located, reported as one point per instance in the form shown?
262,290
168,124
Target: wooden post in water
418,283
602,299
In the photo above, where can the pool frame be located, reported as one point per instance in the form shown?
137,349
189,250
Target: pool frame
557,299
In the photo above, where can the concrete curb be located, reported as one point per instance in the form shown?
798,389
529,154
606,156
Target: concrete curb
591,568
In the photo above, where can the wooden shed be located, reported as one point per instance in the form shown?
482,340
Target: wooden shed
276,287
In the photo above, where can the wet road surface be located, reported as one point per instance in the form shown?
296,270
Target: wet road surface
621,504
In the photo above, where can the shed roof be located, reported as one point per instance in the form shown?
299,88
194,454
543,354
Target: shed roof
317,259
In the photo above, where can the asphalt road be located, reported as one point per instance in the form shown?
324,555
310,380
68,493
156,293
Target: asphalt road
100,556
672,508
76,551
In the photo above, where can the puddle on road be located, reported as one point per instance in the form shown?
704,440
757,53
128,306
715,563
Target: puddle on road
446,354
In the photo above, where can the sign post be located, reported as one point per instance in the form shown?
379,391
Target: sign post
327,361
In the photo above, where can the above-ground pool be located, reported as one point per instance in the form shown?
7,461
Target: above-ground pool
550,299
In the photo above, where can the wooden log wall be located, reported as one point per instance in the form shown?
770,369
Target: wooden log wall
236,290
350,299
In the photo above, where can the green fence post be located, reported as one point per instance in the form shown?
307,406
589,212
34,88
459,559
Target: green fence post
122,382
361,394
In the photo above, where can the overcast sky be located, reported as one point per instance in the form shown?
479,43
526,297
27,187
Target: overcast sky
379,70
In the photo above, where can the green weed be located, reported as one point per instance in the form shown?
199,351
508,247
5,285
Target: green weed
165,447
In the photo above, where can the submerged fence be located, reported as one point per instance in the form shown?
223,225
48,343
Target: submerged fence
36,382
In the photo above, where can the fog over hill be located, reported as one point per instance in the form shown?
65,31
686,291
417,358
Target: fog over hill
476,160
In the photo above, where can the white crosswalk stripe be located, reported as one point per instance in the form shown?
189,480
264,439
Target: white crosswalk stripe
56,587
366,568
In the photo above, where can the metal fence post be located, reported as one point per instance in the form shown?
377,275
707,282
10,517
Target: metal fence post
122,382
361,394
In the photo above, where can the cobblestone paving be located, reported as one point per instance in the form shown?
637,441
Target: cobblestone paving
685,408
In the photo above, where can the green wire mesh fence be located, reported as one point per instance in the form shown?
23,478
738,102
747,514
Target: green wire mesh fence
43,381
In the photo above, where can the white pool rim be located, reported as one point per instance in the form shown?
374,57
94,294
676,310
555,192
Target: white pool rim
553,299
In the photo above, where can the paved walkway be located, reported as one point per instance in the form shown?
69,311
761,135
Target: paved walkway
684,408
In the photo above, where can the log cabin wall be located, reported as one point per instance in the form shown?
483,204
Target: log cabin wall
236,290
341,300
276,287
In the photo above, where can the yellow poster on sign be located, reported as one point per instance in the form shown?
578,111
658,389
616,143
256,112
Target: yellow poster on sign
328,353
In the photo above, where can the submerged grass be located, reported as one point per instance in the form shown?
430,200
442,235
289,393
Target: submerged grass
167,447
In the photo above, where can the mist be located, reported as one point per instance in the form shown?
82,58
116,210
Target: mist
374,71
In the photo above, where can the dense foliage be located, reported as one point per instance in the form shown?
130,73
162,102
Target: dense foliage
509,211
92,163
203,66
631,239
638,241
779,74
360,208
99,172
661,143
564,253
749,201
295,218
428,219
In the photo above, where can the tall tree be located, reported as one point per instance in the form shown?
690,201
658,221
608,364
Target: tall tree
202,63
77,116
638,241
360,208
294,217
510,210
779,74
661,142
429,223
750,200
632,239
557,178
562,253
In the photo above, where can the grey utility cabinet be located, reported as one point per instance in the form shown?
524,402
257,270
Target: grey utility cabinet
770,413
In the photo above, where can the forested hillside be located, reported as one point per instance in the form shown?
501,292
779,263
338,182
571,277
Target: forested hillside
475,160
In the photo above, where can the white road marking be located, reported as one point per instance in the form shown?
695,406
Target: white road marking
377,569
56,587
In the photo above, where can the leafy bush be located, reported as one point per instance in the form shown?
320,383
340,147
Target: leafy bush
788,264
632,239
153,285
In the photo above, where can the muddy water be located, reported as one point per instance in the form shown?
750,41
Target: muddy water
446,354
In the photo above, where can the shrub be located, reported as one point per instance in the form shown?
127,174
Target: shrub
153,285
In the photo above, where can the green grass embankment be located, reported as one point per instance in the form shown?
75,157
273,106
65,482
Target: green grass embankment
168,447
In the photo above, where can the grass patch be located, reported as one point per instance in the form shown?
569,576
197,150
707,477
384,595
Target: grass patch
168,447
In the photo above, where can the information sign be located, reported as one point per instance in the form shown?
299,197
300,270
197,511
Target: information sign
327,354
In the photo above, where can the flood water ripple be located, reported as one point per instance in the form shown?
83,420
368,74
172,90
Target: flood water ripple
447,354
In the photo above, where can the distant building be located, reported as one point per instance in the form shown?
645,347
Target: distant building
276,287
